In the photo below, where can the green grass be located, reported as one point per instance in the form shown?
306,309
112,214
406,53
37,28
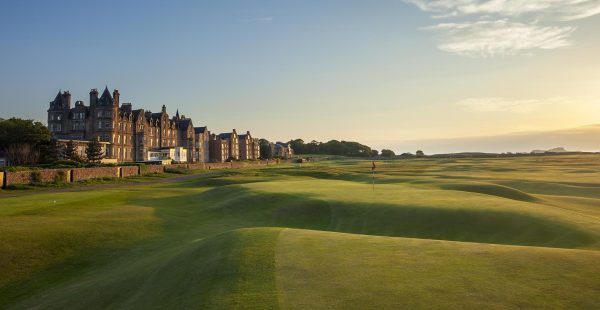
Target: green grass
435,233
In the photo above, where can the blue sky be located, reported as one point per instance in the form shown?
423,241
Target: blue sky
372,71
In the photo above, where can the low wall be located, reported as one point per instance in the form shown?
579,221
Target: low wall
154,169
37,176
82,174
178,166
219,165
129,171
197,166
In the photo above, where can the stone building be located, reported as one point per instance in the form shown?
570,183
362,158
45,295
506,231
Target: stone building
283,150
202,141
233,144
129,134
219,149
249,148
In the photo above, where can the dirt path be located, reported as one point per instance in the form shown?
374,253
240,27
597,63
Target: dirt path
84,187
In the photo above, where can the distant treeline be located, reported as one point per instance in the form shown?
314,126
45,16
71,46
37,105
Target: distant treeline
333,147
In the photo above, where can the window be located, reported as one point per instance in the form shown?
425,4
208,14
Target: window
99,114
58,117
99,125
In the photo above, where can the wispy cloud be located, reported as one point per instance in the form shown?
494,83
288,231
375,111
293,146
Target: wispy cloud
493,38
262,20
559,9
505,27
499,104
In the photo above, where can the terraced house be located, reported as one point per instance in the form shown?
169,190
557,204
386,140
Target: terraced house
128,134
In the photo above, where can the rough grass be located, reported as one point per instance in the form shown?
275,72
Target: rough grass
463,233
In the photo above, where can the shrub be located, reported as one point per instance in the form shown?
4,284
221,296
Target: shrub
177,170
60,177
36,177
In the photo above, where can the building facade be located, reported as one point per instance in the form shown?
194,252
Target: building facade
202,141
283,150
218,149
233,144
249,148
130,135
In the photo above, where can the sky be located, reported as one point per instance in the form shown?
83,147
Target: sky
378,72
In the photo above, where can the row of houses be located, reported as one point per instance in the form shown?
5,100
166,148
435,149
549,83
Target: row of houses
139,135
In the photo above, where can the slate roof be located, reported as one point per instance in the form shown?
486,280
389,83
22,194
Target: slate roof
224,136
199,130
106,98
184,123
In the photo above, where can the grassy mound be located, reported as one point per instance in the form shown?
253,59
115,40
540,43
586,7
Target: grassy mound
324,270
315,236
490,189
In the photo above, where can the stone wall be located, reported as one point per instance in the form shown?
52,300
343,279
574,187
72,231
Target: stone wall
154,169
178,166
197,166
18,178
219,165
37,176
129,171
82,174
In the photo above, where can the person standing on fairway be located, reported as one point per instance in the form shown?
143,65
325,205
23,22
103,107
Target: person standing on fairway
373,170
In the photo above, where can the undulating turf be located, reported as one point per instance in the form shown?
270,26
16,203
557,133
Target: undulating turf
464,233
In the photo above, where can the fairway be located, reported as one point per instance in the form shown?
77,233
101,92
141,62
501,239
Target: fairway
434,233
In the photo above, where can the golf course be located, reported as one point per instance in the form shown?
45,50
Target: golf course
495,233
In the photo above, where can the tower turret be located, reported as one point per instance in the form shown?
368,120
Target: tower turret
66,100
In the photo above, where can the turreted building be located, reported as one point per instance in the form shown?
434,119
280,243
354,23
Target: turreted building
128,134
131,135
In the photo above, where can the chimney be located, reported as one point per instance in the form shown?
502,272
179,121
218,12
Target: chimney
116,97
93,97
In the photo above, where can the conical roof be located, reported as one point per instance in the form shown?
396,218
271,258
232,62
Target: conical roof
106,98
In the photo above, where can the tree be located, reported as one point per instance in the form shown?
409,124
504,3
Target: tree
94,152
266,152
420,153
70,152
21,139
387,153
374,153
298,146
49,152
